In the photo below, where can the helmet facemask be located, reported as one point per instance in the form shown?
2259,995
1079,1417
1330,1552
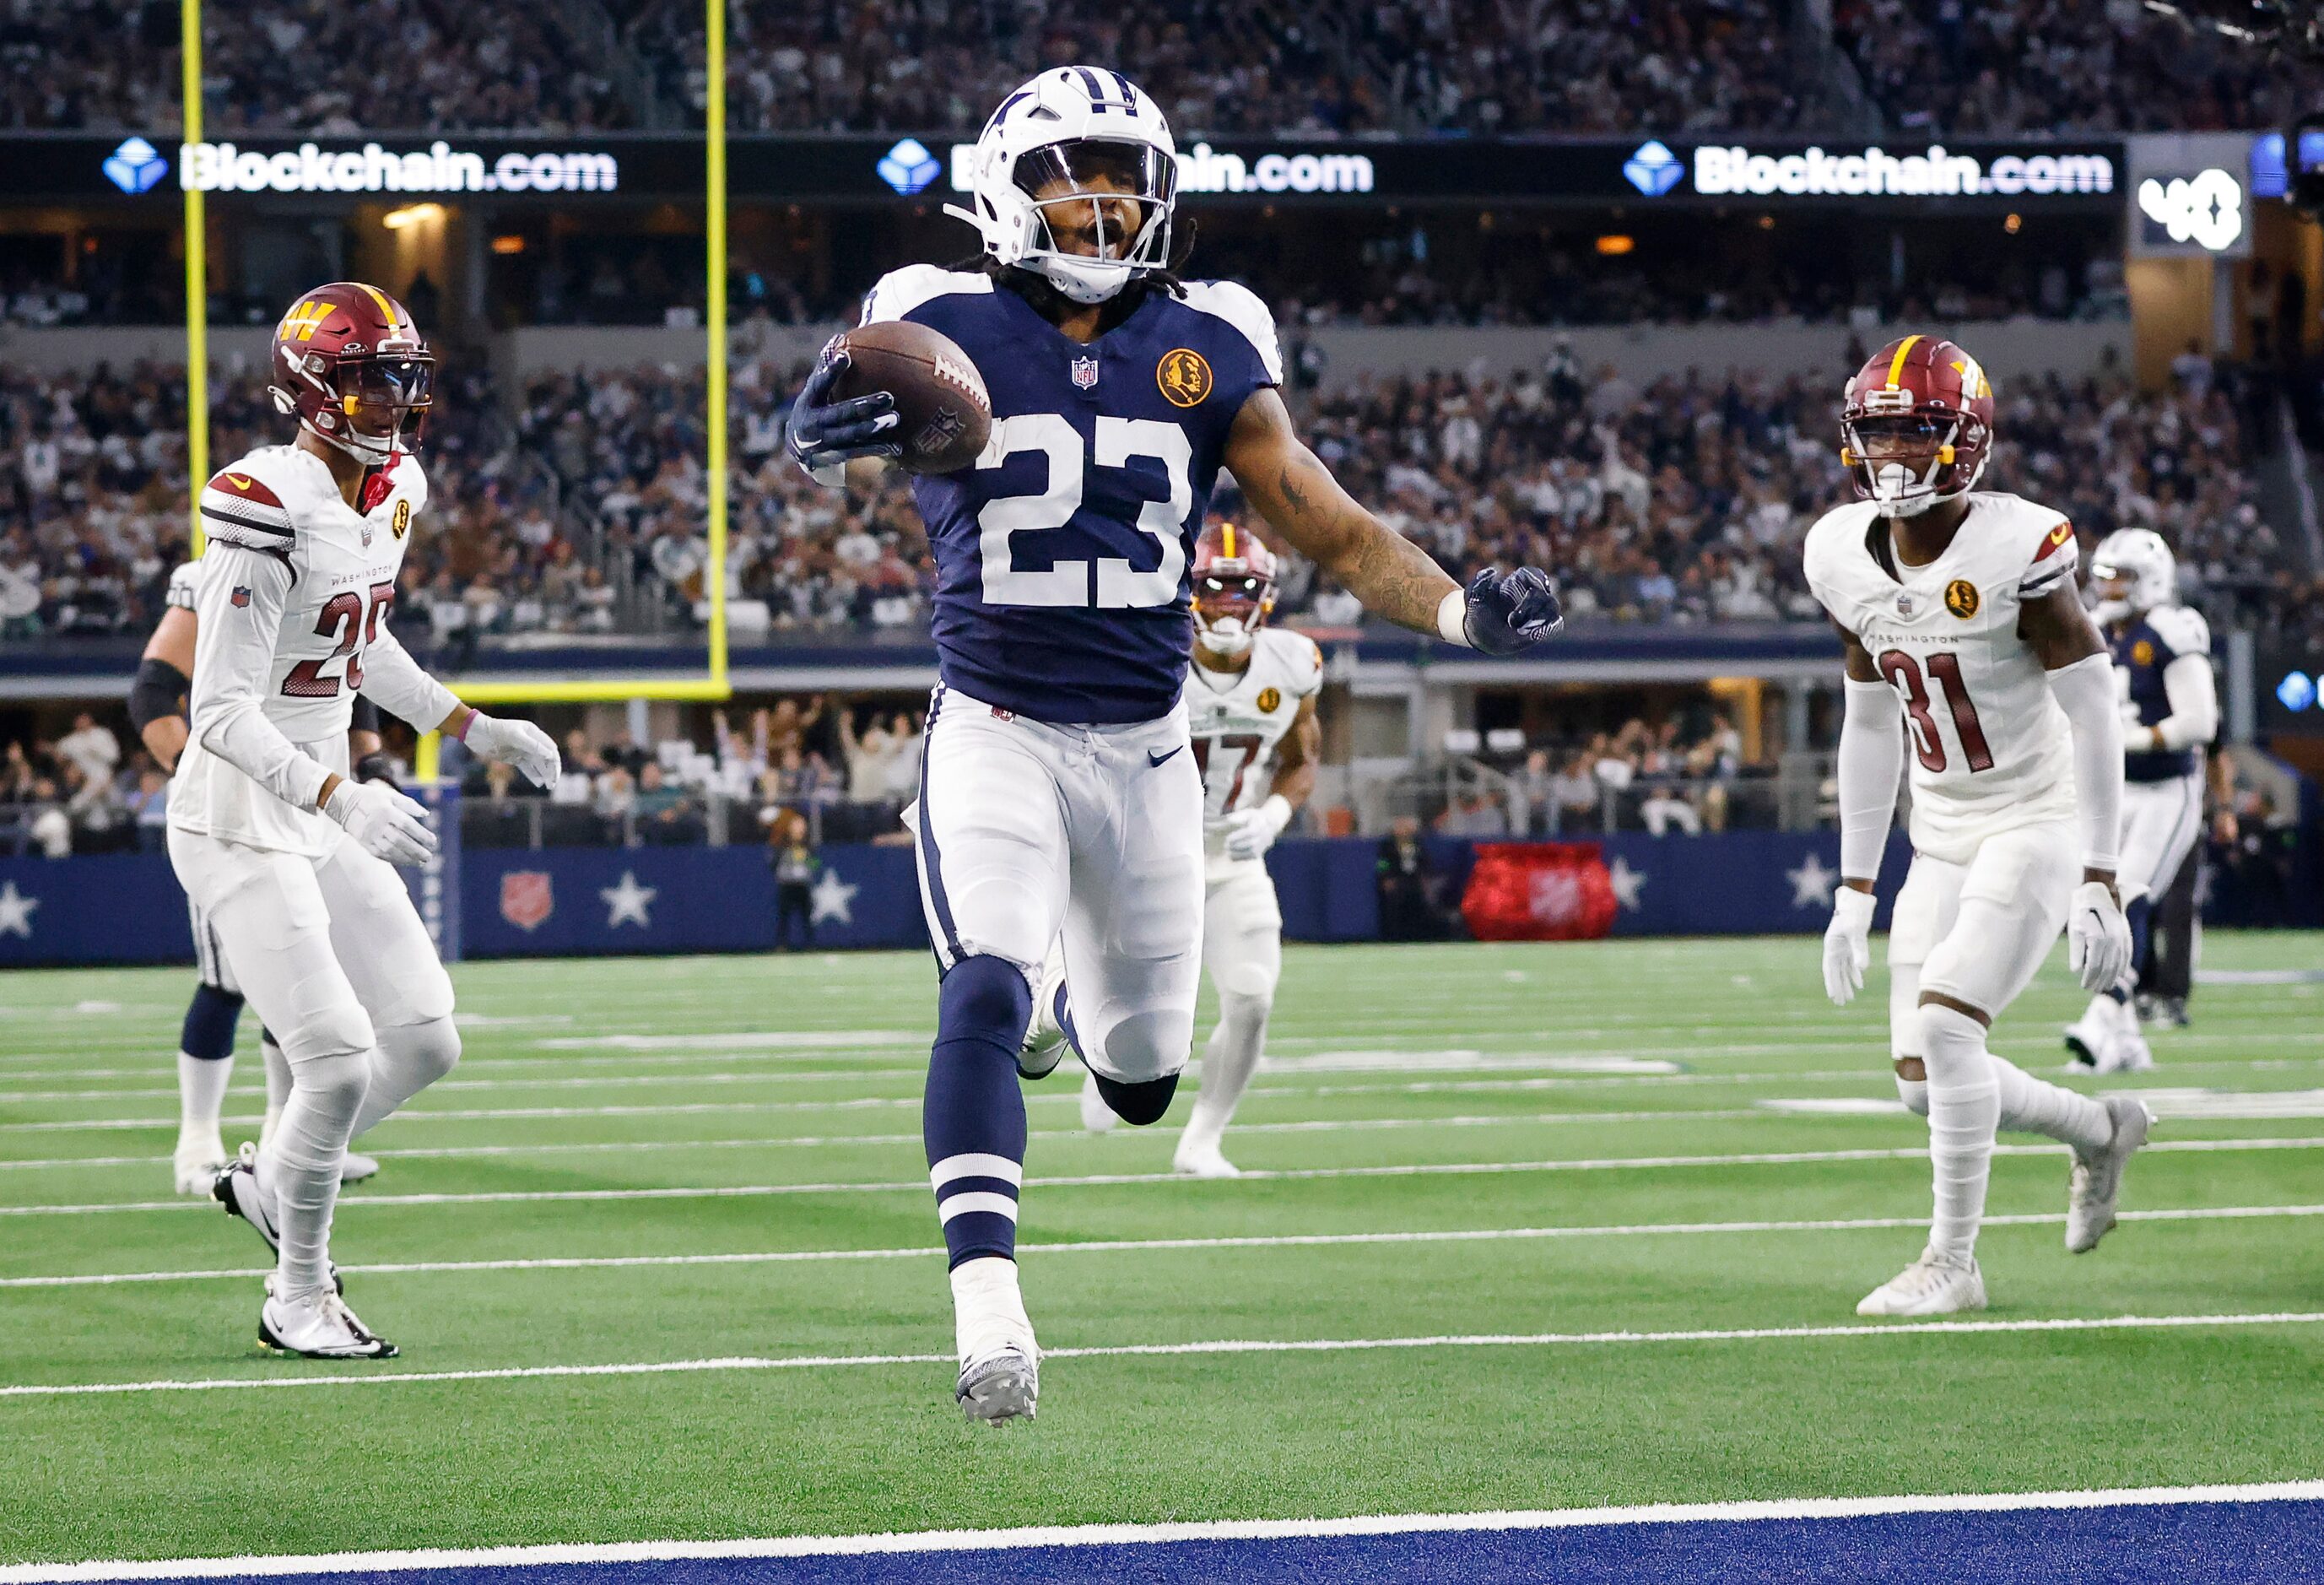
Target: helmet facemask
1905,462
374,405
1229,610
1099,213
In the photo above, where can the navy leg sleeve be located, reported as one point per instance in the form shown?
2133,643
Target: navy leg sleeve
972,1120
210,1018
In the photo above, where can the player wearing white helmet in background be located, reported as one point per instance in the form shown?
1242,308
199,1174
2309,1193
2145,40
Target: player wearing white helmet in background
1967,645
283,851
2170,702
1250,707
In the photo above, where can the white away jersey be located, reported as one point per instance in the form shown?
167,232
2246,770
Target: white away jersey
184,583
1236,728
281,505
1990,747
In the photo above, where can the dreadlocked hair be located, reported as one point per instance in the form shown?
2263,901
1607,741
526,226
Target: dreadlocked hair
1053,305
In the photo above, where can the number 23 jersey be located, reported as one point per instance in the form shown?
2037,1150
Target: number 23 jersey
1061,553
1988,747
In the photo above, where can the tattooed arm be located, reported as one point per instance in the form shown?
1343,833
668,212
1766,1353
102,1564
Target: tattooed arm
1297,494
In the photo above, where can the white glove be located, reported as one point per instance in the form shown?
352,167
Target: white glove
2097,937
1847,944
1253,831
383,822
519,743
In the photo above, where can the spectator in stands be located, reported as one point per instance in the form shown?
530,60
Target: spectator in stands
149,809
90,749
797,865
1667,806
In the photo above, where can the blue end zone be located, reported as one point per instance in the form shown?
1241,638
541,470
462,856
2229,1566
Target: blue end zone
2182,1544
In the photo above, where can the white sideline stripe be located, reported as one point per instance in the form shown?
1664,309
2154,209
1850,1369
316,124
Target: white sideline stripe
1348,1125
768,1040
1512,1340
1127,1246
913,1542
1109,1180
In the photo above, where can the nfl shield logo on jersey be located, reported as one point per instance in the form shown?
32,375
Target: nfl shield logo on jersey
1085,372
241,596
1906,605
526,897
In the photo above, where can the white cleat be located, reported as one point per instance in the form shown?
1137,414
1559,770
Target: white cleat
1201,1159
236,1189
1001,1386
1097,1117
1930,1286
357,1169
319,1326
1045,1044
197,1162
2090,1036
2128,1053
2097,1180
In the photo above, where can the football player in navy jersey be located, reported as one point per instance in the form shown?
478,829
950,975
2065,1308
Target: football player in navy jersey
2170,711
1057,793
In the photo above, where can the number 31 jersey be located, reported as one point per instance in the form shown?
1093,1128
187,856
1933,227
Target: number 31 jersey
1991,749
283,503
1061,554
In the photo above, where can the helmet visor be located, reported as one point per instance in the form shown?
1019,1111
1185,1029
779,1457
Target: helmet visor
389,394
1099,197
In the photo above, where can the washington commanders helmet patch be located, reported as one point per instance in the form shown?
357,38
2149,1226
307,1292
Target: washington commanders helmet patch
1268,698
1961,598
402,521
1183,375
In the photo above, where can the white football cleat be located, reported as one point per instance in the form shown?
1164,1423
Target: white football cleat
2089,1036
1930,1286
2097,1180
197,1162
356,1168
1097,1117
2127,1052
1001,1386
1044,1043
236,1189
319,1326
1202,1159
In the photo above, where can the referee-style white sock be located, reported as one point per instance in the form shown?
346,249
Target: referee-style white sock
407,1058
1964,1108
2036,1106
201,1093
303,1163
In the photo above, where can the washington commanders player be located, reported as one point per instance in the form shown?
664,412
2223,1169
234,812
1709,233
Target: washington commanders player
1958,616
1250,710
2170,711
157,709
1057,793
280,849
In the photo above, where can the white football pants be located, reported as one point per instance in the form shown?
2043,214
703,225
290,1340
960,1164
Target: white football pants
1027,832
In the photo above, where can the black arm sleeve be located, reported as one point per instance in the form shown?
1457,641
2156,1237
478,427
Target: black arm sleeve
366,717
159,690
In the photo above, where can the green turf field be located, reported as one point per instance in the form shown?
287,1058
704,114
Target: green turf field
1617,1109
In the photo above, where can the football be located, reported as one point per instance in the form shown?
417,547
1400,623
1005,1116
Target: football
940,398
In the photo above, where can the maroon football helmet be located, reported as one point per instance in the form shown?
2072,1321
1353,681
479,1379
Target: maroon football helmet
349,362
1234,588
1917,425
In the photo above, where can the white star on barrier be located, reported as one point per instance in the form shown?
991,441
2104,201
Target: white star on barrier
16,911
1811,883
831,897
1625,882
626,904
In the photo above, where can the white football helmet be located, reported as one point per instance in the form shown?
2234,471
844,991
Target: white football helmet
1072,129
2132,571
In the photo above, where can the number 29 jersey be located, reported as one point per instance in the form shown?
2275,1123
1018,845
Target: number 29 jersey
1062,592
1991,749
282,503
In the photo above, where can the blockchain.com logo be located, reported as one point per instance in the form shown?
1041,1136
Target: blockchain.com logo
909,167
135,166
1653,168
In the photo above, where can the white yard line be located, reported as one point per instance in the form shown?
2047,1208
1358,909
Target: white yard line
1124,1245
599,1554
747,1362
1110,1180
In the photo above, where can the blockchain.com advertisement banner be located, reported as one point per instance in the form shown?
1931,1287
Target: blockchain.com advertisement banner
1648,169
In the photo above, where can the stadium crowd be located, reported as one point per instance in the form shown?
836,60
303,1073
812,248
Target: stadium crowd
1682,499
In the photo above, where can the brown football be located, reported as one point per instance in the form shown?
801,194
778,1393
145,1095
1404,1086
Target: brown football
946,418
